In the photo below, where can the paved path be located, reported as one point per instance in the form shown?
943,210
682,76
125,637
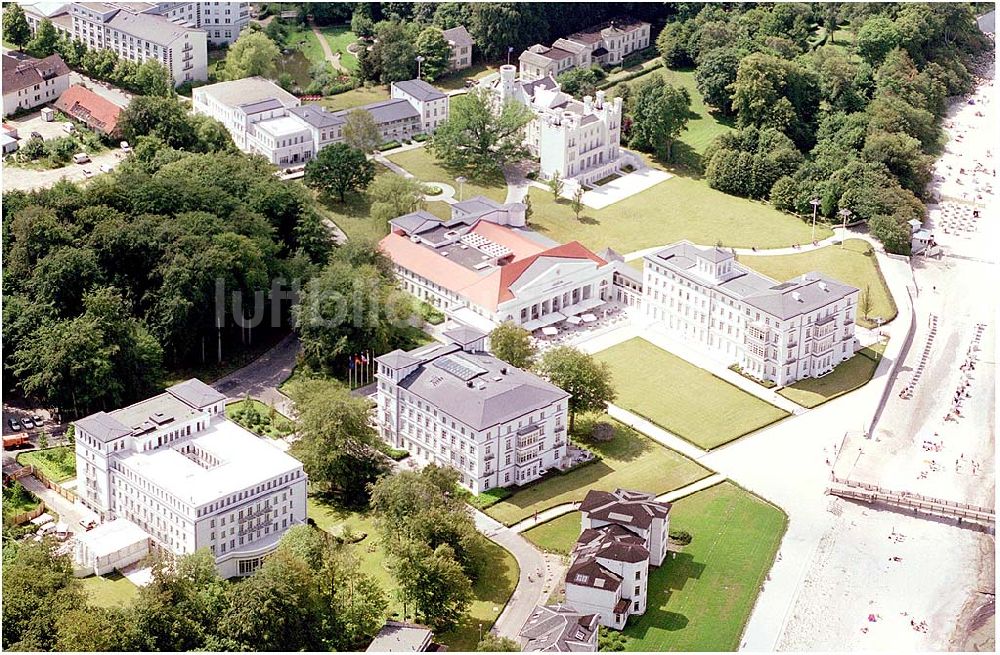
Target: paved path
261,377
70,513
829,241
331,56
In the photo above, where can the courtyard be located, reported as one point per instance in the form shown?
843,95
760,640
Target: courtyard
682,398
628,460
700,599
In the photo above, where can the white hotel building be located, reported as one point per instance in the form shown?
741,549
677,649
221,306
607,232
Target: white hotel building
605,44
176,468
781,332
456,405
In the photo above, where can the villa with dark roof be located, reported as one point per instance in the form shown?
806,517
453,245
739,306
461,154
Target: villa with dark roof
777,331
560,629
456,405
605,44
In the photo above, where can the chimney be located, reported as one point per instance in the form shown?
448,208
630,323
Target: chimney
468,383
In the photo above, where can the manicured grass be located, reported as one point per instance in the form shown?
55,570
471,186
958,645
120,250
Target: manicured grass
110,590
259,418
57,464
492,590
423,165
355,97
629,460
339,37
847,376
701,599
854,264
678,208
457,79
687,400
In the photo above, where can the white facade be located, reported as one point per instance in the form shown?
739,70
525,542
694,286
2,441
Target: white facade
781,332
177,468
30,83
606,44
431,104
222,21
110,547
579,140
458,406
461,44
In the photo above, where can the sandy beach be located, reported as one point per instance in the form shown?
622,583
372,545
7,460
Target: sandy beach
884,580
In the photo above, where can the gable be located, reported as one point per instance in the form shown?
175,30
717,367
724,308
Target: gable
549,273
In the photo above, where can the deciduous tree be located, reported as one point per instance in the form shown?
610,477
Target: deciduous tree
361,131
660,113
512,343
253,53
394,195
586,380
338,169
434,48
15,25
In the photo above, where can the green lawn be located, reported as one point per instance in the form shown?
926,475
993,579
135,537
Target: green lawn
630,460
683,398
422,164
492,590
259,418
304,40
847,376
362,95
57,464
339,37
854,264
701,599
457,79
109,590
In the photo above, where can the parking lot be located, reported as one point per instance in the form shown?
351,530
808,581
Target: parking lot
33,123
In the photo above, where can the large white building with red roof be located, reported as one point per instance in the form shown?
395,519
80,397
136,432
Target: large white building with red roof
482,265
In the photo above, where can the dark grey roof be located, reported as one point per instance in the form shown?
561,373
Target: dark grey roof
492,398
419,89
103,426
800,295
398,637
396,359
587,572
386,111
195,393
416,222
476,206
611,542
267,104
316,116
610,255
624,507
463,335
560,629
459,36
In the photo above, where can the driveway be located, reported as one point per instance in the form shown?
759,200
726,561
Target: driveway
261,377
70,513
103,89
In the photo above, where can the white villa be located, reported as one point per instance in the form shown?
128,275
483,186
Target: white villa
605,44
456,405
461,43
774,331
177,470
579,140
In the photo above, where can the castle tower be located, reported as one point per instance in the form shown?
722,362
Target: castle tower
507,75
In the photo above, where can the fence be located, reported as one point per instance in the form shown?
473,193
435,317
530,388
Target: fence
873,492
24,517
58,488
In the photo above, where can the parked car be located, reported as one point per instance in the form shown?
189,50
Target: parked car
36,135
88,524
125,146
37,419
81,158
68,128
28,423
14,424
105,168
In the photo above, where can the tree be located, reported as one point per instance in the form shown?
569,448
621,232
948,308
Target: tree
865,305
15,25
893,233
38,586
774,92
672,44
581,81
491,643
434,48
339,168
153,79
338,449
512,343
715,75
433,582
253,53
901,155
46,39
361,131
586,380
576,204
876,38
660,112
477,138
393,195
556,184
449,14
165,118
362,23
394,50
497,26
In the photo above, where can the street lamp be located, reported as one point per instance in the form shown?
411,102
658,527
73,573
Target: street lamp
420,60
845,213
461,186
815,203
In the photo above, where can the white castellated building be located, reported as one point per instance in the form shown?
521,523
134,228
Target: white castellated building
580,140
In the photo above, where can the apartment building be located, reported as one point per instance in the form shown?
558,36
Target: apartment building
137,32
30,82
606,44
222,21
579,140
623,533
781,332
461,44
174,466
456,405
482,268
430,103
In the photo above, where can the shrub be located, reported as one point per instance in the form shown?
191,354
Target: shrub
602,431
432,190
397,454
680,536
532,175
419,138
389,146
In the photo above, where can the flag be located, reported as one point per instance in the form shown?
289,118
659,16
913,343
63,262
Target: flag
350,362
364,358
510,49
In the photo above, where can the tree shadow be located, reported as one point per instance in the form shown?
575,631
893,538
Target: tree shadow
587,220
685,161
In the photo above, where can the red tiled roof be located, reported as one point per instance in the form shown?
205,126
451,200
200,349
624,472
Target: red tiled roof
89,108
511,272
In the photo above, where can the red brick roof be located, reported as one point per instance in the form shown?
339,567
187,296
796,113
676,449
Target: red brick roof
89,108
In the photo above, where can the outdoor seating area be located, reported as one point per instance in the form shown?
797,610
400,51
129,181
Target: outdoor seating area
957,218
570,328
971,358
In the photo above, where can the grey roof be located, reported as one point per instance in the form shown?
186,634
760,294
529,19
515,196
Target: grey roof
624,507
397,637
463,335
149,27
561,629
247,90
416,222
25,71
610,255
396,359
987,22
196,393
386,111
494,397
419,89
317,116
267,104
103,426
475,206
801,295
459,36
535,58
611,542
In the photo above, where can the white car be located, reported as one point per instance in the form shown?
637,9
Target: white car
87,174
125,146
105,168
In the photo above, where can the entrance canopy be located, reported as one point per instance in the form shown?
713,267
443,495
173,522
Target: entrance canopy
583,306
543,321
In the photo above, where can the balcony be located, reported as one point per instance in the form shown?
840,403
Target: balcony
821,346
527,458
756,332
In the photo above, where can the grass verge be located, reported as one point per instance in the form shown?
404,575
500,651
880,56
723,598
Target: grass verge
846,377
57,464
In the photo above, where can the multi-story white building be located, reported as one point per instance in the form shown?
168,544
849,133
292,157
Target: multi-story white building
222,21
430,103
579,140
177,468
461,44
30,82
623,533
456,405
774,331
605,44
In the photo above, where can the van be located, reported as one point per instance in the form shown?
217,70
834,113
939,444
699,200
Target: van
81,158
68,128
